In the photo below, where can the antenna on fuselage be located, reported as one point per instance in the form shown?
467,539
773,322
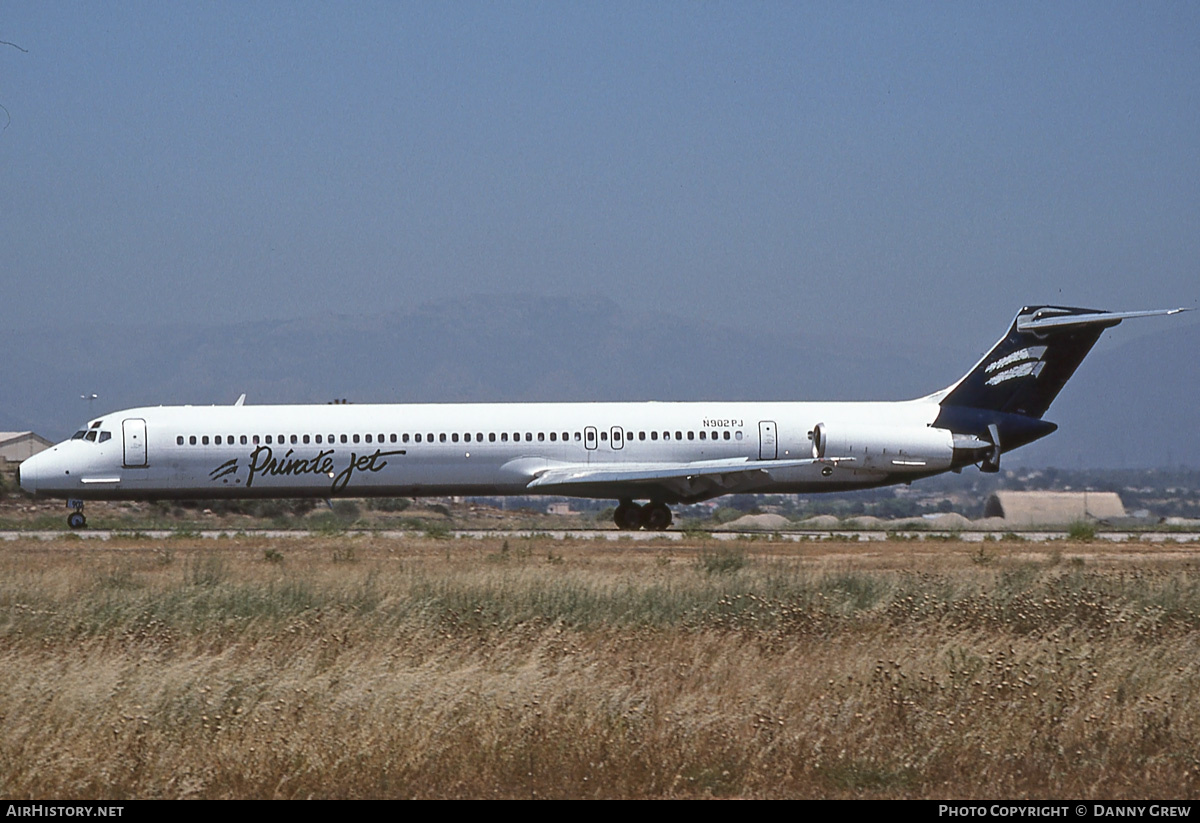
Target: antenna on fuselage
241,399
90,398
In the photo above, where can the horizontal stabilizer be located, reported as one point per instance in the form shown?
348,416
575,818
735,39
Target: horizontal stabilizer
1040,320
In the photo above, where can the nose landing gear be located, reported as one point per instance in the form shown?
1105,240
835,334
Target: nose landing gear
75,519
653,516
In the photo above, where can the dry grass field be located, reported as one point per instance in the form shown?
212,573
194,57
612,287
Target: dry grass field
364,667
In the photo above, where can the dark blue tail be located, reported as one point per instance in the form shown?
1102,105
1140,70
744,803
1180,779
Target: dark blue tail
1002,400
1026,370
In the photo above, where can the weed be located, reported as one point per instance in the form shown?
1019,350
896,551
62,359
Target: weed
723,560
437,531
205,569
1081,530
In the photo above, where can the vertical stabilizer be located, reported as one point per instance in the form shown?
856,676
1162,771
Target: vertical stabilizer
1025,371
1003,398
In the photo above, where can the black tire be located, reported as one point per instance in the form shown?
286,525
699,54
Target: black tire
76,520
629,516
658,517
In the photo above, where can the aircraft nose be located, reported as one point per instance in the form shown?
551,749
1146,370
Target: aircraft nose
27,476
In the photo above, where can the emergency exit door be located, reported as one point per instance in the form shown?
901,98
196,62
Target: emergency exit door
768,442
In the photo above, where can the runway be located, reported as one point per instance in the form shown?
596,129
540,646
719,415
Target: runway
613,535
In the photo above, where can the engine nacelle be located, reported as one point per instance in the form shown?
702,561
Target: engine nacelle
885,448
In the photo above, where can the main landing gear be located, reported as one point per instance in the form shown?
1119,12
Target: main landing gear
629,516
75,519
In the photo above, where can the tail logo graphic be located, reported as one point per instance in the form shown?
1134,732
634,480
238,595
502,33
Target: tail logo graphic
1023,363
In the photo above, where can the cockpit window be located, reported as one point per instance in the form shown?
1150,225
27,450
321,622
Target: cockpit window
79,434
105,436
91,436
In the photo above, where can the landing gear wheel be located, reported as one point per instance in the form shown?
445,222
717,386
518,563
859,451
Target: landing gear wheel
629,516
76,520
658,517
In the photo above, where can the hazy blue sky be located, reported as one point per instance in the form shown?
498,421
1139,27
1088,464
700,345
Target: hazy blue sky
898,167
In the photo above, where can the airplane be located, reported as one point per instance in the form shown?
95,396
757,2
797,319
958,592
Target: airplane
662,453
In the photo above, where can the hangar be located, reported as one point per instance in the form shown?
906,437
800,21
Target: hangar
1044,508
17,446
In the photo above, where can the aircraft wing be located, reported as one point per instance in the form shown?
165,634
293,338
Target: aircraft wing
674,481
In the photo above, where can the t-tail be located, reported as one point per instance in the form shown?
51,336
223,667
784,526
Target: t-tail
1001,401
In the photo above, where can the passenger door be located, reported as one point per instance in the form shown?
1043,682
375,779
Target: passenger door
134,431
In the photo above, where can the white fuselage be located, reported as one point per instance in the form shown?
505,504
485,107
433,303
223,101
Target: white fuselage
460,449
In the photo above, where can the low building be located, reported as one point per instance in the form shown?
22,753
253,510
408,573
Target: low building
1054,508
17,446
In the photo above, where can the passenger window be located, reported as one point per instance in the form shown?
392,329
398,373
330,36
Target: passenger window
368,438
203,440
254,439
405,438
394,438
442,438
577,437
478,437
318,439
454,438
678,435
738,435
192,440
653,435
714,435
641,435
417,437
491,437
691,435
528,437
467,437
179,440
553,437
503,437
243,439
541,436
604,437
217,440
268,439
429,437
702,435
345,439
